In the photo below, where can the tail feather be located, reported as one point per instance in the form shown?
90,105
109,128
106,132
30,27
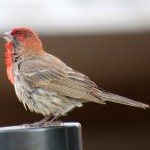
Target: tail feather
106,96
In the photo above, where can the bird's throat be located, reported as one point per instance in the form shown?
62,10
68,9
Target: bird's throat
9,62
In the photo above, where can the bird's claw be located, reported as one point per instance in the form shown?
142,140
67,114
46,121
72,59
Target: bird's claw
42,124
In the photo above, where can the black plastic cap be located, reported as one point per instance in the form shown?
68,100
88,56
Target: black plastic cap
64,137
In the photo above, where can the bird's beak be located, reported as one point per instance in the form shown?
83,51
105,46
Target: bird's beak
8,36
8,33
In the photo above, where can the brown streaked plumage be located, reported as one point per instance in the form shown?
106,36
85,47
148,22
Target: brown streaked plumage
44,83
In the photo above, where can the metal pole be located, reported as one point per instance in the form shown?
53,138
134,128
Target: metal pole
64,137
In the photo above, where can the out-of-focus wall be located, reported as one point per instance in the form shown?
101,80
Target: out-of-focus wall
118,63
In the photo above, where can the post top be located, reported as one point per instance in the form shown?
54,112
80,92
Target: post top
19,127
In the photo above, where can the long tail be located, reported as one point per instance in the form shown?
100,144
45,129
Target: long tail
106,96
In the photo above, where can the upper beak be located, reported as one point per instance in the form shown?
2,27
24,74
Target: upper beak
8,36
8,33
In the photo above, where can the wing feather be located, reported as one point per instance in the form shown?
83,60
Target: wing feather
55,76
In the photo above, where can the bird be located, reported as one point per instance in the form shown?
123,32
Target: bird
45,84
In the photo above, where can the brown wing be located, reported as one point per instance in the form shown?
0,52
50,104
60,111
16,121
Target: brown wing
53,75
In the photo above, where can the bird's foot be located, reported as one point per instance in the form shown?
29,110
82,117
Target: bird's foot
33,125
52,123
43,123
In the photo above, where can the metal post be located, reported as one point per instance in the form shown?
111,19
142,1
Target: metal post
64,137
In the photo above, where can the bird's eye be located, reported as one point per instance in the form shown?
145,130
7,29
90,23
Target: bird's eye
14,37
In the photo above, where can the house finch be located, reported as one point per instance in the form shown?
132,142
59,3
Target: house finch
44,83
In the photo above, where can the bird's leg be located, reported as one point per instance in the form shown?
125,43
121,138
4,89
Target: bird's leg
52,122
39,123
45,119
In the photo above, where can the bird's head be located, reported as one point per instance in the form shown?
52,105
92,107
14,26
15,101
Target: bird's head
23,40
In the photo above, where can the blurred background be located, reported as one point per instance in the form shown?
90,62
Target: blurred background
108,40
